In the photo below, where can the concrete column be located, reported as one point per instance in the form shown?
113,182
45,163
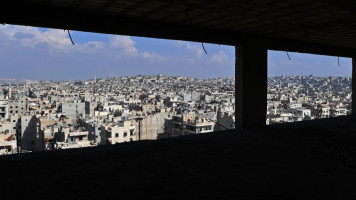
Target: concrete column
353,86
251,85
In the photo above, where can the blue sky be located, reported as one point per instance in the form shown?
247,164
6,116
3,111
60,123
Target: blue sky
306,64
47,54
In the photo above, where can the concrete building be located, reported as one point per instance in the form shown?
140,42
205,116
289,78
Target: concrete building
17,106
29,139
4,110
124,132
199,125
71,110
225,120
151,127
8,142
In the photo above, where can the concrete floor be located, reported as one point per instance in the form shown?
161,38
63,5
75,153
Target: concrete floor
295,161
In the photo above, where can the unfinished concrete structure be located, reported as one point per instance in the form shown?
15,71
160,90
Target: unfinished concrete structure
309,26
74,108
318,27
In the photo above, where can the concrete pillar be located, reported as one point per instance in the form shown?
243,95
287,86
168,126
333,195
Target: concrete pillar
353,85
251,85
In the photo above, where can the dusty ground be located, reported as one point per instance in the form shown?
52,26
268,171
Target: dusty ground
291,162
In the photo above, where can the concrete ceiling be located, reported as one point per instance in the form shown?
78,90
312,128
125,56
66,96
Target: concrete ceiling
318,24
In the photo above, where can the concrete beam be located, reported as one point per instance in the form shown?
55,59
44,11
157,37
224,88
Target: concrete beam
20,13
353,85
251,84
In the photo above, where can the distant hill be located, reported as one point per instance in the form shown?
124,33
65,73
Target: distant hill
14,80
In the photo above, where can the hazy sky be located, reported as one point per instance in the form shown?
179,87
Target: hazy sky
37,53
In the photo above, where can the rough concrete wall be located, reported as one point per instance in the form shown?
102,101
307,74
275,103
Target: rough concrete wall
28,132
149,128
152,126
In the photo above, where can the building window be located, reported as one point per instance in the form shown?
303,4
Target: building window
132,132
125,134
116,135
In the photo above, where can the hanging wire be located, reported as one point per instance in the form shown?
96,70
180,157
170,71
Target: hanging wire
202,44
70,37
219,124
288,56
187,16
188,19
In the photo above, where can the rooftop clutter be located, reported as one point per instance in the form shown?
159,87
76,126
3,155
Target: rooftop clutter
48,115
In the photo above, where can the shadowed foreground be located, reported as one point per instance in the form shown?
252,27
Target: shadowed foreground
316,161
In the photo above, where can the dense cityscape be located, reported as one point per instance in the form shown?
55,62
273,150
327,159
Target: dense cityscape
49,115
298,98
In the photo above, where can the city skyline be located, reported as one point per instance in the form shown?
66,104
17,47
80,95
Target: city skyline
9,80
